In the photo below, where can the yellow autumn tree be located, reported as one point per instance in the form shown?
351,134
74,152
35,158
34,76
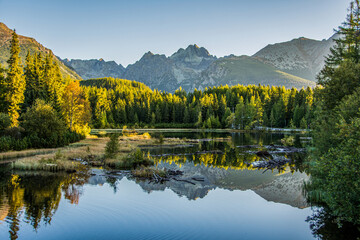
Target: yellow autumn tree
76,108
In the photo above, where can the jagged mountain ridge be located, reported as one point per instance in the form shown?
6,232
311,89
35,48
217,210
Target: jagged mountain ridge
28,44
182,68
95,68
301,57
290,64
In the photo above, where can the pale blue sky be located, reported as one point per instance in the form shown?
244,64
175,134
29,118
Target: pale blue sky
123,30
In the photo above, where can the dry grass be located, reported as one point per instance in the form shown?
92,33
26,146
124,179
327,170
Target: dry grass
60,159
57,163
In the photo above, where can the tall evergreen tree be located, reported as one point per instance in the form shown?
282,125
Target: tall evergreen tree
15,81
3,90
341,73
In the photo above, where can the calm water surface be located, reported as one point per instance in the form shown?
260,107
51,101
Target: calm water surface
233,202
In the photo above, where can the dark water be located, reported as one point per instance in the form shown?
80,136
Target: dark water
235,200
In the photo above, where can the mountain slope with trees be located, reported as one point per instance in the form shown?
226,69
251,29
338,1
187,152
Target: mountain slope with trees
38,106
28,44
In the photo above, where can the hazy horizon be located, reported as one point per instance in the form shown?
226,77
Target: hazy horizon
123,31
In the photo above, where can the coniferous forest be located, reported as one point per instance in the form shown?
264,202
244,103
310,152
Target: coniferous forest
37,92
40,108
117,102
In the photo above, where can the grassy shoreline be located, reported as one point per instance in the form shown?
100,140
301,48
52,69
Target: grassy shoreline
87,152
218,130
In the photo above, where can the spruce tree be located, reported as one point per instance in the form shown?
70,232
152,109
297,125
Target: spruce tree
31,92
3,90
340,75
15,81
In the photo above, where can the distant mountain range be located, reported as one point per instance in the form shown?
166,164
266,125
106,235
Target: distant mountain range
28,44
94,68
291,64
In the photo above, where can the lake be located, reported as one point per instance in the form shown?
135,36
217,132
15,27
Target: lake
225,196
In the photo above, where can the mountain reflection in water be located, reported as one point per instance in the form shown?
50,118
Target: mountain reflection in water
36,198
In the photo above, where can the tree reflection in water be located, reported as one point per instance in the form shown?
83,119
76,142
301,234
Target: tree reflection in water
36,196
324,226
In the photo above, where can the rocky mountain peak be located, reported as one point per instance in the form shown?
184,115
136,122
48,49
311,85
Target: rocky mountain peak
148,54
191,51
95,68
193,57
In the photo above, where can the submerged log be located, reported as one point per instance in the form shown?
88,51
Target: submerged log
264,154
184,180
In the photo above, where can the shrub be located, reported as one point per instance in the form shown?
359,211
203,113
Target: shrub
146,135
138,158
112,146
8,143
5,143
42,122
288,141
14,132
5,121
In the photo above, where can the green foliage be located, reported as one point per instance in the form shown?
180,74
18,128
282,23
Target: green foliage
14,82
303,124
160,139
138,158
8,143
112,146
5,121
3,105
43,80
336,174
339,82
29,45
288,140
40,90
52,129
115,102
44,115
335,164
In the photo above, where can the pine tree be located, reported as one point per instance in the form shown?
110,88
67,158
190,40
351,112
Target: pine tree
341,73
240,113
158,114
265,120
303,124
222,107
153,119
186,116
15,81
198,124
3,90
30,90
272,119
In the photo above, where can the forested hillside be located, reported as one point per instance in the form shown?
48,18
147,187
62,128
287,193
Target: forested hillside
117,102
38,106
30,45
